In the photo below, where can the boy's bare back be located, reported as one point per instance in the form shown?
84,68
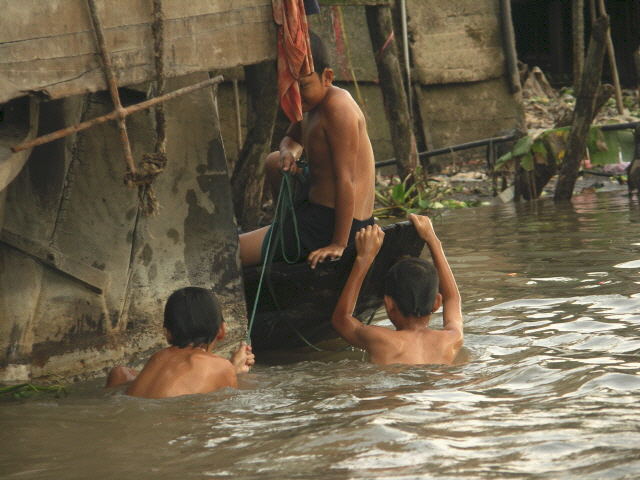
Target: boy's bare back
176,371
411,347
412,342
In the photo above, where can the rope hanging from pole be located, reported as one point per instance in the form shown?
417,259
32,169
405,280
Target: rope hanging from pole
154,163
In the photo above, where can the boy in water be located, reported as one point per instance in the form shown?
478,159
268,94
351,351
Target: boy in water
411,295
193,323
333,134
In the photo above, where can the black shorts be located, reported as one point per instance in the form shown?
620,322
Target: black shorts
315,230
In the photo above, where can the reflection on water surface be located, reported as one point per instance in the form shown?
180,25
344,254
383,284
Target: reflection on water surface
552,308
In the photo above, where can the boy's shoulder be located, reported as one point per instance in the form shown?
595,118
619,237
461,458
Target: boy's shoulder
340,102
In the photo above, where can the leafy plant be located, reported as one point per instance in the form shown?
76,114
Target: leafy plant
550,147
417,193
25,390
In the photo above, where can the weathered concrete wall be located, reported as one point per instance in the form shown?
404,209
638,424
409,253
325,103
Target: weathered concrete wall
458,69
49,46
70,199
458,41
459,65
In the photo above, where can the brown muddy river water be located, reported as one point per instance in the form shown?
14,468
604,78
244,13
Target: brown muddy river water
551,388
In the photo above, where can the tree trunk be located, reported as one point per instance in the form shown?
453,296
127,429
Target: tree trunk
583,112
394,96
577,10
248,174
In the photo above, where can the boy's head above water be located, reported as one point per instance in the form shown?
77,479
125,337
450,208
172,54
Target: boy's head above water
192,317
314,87
411,289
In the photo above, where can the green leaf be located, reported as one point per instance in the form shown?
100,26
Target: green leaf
620,146
397,193
503,161
526,162
522,146
538,147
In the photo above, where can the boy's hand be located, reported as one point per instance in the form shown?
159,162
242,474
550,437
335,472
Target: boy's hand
288,162
331,251
369,241
424,227
243,358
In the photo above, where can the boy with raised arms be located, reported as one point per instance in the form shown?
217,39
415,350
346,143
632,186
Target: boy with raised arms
413,290
333,135
193,323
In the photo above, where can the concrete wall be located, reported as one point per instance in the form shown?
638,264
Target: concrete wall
70,202
458,69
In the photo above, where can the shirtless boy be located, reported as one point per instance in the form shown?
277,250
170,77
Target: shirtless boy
411,295
333,135
193,324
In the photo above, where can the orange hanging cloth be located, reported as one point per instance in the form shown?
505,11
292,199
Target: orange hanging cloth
294,54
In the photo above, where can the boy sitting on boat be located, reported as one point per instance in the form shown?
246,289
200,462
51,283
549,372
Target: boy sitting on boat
193,323
333,134
413,290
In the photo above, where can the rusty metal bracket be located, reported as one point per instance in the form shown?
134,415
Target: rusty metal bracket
94,278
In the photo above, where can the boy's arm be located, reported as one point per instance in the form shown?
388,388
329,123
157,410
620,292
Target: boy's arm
368,243
452,304
119,376
342,136
291,148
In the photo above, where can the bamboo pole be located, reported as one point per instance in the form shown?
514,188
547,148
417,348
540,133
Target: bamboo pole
112,84
593,13
114,115
405,51
236,101
612,61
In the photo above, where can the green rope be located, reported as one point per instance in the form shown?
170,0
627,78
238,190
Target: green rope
284,205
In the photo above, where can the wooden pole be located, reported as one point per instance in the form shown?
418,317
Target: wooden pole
248,173
158,41
112,84
510,53
612,62
583,112
394,96
577,16
633,177
114,115
636,60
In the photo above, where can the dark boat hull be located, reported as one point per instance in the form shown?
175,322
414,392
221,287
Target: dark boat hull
296,302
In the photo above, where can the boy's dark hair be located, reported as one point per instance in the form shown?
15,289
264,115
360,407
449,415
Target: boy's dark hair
413,284
319,52
192,315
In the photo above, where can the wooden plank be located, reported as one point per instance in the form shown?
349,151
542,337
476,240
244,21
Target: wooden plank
53,51
92,277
